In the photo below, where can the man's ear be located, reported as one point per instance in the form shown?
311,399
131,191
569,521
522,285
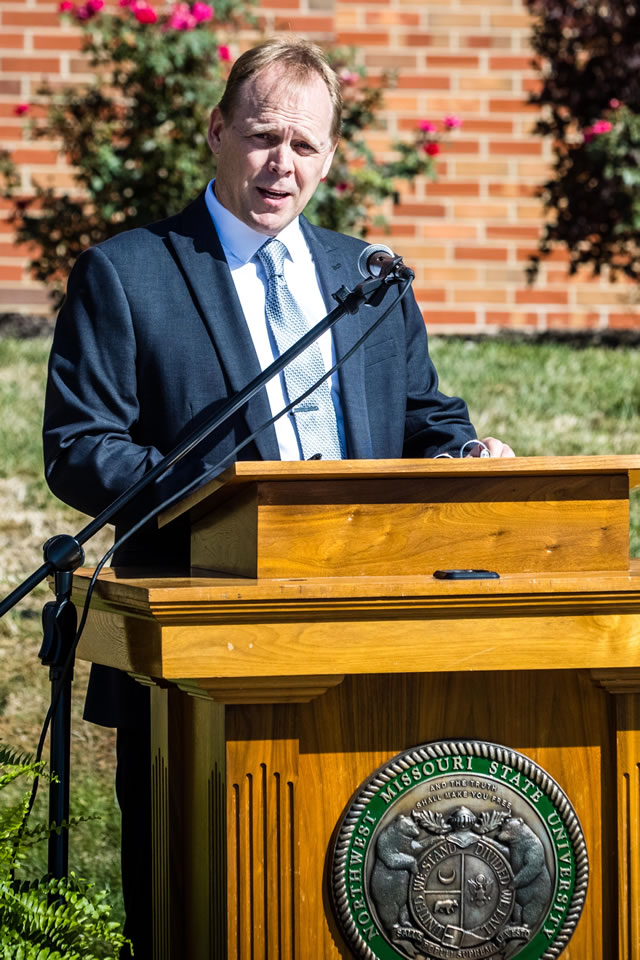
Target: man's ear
328,161
216,123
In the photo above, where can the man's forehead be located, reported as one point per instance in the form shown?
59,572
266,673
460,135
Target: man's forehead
277,86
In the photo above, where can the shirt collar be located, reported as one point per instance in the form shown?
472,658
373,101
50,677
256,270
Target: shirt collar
240,242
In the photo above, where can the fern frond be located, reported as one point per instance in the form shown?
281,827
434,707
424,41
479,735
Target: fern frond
46,918
9,757
67,918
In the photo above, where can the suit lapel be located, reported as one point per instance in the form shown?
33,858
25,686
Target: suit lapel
202,260
333,273
201,257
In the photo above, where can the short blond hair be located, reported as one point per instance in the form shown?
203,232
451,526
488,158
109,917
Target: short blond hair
299,58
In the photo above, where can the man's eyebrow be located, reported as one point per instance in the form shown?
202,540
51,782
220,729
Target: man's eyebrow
263,126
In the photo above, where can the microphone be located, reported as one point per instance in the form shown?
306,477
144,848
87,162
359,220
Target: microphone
376,260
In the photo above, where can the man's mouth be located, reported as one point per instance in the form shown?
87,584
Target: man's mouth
273,194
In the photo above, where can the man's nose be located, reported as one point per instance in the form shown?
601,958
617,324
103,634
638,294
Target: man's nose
281,159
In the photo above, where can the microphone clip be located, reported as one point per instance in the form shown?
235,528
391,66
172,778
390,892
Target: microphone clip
382,267
378,261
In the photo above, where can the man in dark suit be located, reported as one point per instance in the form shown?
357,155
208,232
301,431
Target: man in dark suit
162,324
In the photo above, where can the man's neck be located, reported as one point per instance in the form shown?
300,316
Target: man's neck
240,241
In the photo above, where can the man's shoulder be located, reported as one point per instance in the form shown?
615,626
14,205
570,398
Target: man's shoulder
331,238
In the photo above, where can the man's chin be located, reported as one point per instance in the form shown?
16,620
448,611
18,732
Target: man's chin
272,222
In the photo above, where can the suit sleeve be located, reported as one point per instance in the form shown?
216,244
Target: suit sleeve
91,406
434,422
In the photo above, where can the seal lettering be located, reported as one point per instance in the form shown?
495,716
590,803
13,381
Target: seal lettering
459,851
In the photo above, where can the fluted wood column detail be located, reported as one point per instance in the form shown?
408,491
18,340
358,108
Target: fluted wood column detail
160,868
262,865
628,751
166,817
205,830
217,863
188,823
625,685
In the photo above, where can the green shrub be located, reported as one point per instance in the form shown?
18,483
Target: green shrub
44,918
136,135
587,55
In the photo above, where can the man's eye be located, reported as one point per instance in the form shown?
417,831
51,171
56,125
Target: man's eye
303,147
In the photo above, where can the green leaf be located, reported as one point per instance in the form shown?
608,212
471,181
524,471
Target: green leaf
136,136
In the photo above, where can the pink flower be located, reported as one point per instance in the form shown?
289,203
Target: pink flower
452,122
181,18
433,149
341,187
66,6
146,15
87,10
347,77
143,12
600,126
224,53
21,108
614,103
201,11
427,126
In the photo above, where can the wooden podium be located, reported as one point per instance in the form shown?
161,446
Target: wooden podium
312,643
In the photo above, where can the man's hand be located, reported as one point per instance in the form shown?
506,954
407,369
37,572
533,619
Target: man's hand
495,447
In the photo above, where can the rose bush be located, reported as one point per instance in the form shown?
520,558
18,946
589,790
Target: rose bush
589,63
136,135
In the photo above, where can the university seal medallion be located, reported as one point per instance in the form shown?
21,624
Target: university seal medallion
463,850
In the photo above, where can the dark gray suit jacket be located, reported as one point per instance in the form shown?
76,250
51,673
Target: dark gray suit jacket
151,339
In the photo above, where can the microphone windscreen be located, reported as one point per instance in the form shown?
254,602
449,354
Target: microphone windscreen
367,254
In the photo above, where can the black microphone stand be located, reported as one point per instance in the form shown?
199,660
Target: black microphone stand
64,553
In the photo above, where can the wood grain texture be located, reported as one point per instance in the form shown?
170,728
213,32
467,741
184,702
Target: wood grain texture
618,680
204,831
261,689
301,762
226,539
140,594
390,645
292,769
624,685
188,820
628,781
411,526
249,471
628,789
559,720
510,660
263,849
167,820
249,629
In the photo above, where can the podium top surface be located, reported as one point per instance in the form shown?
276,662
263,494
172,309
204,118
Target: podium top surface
247,471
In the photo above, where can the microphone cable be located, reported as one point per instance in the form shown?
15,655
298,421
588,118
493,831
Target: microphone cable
165,505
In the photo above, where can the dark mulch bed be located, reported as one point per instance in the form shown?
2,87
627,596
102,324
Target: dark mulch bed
24,325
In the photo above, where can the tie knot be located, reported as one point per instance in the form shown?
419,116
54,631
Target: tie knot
271,255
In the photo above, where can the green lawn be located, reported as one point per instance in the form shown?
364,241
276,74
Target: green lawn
543,399
549,399
28,515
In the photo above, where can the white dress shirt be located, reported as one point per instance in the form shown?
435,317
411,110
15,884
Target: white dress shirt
240,243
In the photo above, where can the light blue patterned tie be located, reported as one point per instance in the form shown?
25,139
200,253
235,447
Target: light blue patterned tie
315,417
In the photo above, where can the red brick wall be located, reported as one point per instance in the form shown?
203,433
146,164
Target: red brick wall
469,234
